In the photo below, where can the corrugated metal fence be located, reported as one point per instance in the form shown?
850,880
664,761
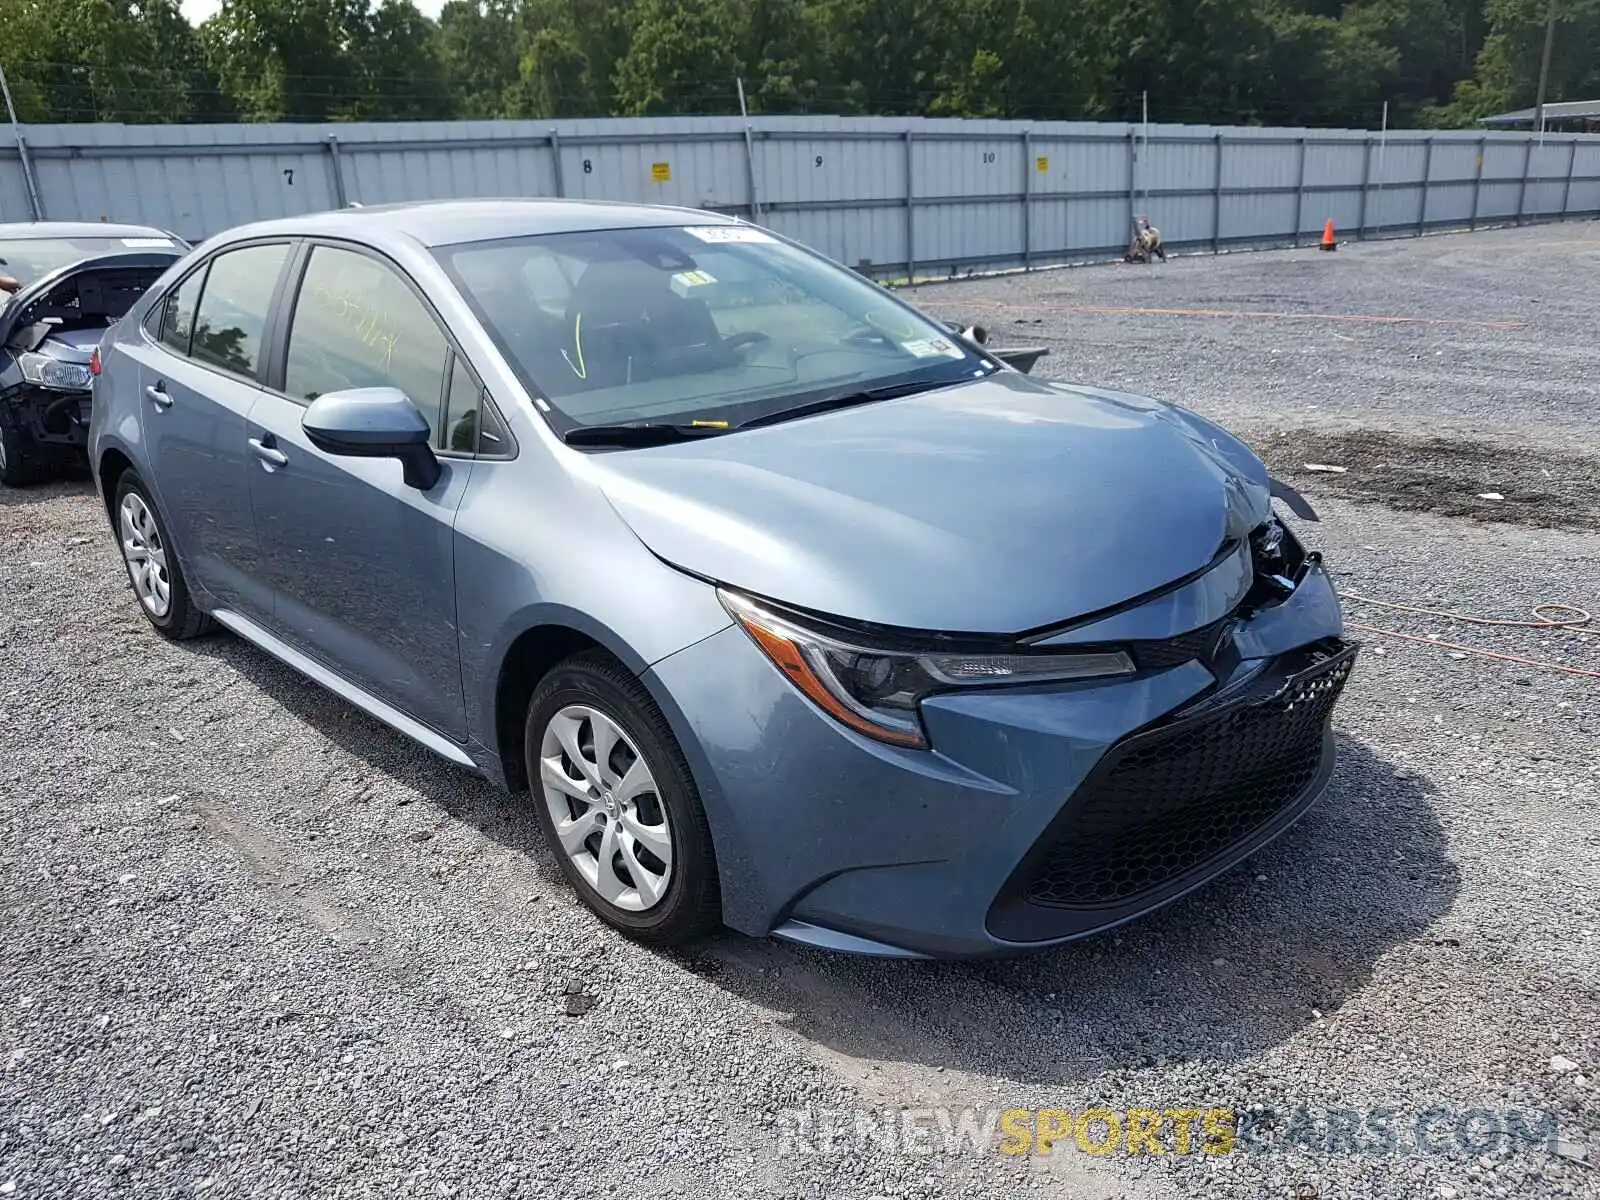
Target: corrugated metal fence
894,196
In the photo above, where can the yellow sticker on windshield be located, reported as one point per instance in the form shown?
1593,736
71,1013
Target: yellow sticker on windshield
684,280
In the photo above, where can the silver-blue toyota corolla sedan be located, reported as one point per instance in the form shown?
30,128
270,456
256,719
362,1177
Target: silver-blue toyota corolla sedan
792,610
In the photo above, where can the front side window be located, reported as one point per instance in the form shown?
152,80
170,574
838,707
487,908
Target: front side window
231,317
357,324
713,323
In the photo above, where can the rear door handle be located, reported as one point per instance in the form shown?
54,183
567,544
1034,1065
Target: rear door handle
270,457
158,396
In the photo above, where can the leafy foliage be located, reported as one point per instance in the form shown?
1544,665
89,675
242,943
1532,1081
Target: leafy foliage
1308,62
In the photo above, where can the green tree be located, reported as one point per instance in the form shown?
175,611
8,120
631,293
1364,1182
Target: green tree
1507,69
103,60
399,75
284,60
681,59
567,53
477,52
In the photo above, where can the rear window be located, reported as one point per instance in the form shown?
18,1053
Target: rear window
28,259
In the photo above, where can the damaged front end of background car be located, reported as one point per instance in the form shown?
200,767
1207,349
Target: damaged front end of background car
49,332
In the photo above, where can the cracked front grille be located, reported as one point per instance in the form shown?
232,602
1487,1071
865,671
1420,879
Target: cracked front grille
1171,652
1169,800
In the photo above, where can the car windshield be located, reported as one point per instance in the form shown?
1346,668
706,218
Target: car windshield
706,323
28,259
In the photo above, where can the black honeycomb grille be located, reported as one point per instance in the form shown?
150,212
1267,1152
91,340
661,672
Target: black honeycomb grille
1170,652
1174,798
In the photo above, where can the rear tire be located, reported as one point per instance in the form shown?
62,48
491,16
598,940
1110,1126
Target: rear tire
152,563
20,461
632,838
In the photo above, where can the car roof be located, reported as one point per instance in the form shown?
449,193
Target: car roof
20,230
442,222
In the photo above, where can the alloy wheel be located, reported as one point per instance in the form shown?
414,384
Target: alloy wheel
145,555
605,807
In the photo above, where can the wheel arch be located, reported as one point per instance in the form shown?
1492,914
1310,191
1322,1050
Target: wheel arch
108,471
536,640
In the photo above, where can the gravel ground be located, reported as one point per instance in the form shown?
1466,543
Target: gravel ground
257,945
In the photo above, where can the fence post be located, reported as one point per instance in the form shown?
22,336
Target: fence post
1477,183
1566,192
35,204
1216,202
1300,194
1366,183
911,212
750,173
1027,199
336,172
1133,174
1527,165
555,159
1427,172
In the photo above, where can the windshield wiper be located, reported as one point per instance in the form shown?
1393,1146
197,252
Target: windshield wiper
850,399
643,433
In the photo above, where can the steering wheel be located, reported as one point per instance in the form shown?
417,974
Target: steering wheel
748,337
867,336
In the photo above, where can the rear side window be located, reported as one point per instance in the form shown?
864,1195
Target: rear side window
177,313
357,324
232,314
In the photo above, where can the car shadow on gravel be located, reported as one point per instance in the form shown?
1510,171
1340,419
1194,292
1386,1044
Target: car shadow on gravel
1231,970
71,483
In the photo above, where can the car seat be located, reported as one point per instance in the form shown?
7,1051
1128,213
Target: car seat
627,324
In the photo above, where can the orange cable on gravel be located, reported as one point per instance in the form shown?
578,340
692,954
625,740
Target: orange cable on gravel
1571,624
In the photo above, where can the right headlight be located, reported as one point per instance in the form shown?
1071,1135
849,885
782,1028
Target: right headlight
875,690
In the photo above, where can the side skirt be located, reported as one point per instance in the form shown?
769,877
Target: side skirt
343,688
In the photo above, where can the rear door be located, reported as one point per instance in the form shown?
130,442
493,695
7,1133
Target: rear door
199,367
362,566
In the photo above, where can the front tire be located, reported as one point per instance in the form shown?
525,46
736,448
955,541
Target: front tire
152,564
617,804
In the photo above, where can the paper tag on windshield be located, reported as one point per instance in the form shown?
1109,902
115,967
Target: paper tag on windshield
684,280
931,348
728,233
147,243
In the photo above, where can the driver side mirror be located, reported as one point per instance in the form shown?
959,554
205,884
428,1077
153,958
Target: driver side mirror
374,423
976,334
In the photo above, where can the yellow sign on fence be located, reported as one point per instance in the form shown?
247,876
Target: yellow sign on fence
661,172
1042,164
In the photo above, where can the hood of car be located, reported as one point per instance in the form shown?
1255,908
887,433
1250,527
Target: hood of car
1001,505
100,288
72,345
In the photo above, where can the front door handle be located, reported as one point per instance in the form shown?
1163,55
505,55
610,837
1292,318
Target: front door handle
157,395
271,457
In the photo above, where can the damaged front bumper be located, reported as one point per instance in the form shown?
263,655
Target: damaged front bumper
1040,814
56,421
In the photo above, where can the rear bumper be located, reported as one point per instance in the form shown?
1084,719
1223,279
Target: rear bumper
1039,816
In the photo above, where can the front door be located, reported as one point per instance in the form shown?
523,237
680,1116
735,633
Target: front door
362,566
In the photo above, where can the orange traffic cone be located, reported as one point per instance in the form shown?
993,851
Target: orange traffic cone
1328,240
